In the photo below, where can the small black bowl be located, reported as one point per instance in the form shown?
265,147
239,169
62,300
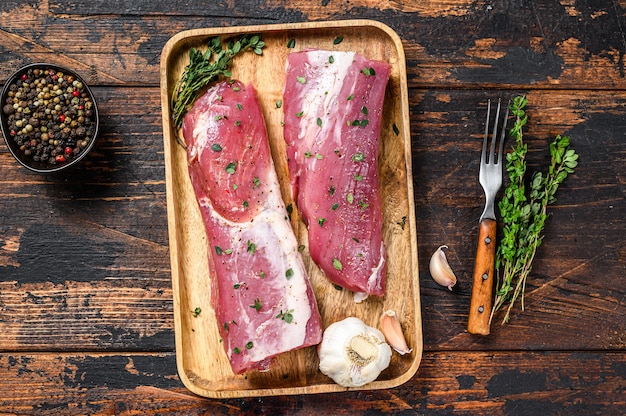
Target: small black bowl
63,145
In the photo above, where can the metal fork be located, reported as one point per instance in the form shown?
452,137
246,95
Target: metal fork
490,178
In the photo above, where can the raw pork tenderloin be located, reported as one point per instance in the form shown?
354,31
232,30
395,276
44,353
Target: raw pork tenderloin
261,294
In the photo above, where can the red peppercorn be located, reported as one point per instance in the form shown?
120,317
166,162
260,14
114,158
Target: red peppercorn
60,158
24,77
68,150
75,93
62,118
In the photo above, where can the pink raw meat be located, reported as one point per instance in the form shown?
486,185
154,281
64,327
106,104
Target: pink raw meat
333,103
262,297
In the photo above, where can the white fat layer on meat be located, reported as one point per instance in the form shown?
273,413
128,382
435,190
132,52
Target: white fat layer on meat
271,229
319,99
373,278
205,125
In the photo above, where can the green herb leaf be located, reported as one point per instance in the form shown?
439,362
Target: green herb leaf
207,67
337,264
251,247
368,72
216,147
523,209
396,130
286,316
231,168
358,157
257,304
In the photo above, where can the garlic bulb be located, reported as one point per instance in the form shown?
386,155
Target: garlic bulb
391,328
353,353
440,269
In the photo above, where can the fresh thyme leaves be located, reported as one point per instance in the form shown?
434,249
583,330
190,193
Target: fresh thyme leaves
206,67
523,209
286,316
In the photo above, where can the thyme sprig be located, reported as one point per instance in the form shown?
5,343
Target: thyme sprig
525,211
204,68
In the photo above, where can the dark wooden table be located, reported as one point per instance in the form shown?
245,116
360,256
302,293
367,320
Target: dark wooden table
86,311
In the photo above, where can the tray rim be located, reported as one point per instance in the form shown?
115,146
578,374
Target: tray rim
168,134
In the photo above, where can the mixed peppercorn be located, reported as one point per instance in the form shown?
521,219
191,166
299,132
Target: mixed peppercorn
51,116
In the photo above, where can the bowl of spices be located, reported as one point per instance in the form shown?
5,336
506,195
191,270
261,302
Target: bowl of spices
49,117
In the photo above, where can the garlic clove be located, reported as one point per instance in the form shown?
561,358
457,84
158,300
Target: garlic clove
440,269
353,353
391,328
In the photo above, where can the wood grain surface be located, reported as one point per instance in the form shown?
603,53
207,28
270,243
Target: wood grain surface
86,310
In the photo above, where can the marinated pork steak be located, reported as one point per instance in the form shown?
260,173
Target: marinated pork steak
333,103
262,297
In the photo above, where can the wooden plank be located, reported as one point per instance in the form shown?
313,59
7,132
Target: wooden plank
448,383
448,44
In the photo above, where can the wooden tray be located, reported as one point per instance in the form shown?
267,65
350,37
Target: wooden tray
202,363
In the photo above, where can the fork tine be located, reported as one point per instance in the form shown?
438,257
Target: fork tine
494,136
503,134
483,155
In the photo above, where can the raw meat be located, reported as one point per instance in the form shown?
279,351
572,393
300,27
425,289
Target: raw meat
333,103
261,294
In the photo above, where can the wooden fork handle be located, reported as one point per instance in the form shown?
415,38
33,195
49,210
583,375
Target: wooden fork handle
482,289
